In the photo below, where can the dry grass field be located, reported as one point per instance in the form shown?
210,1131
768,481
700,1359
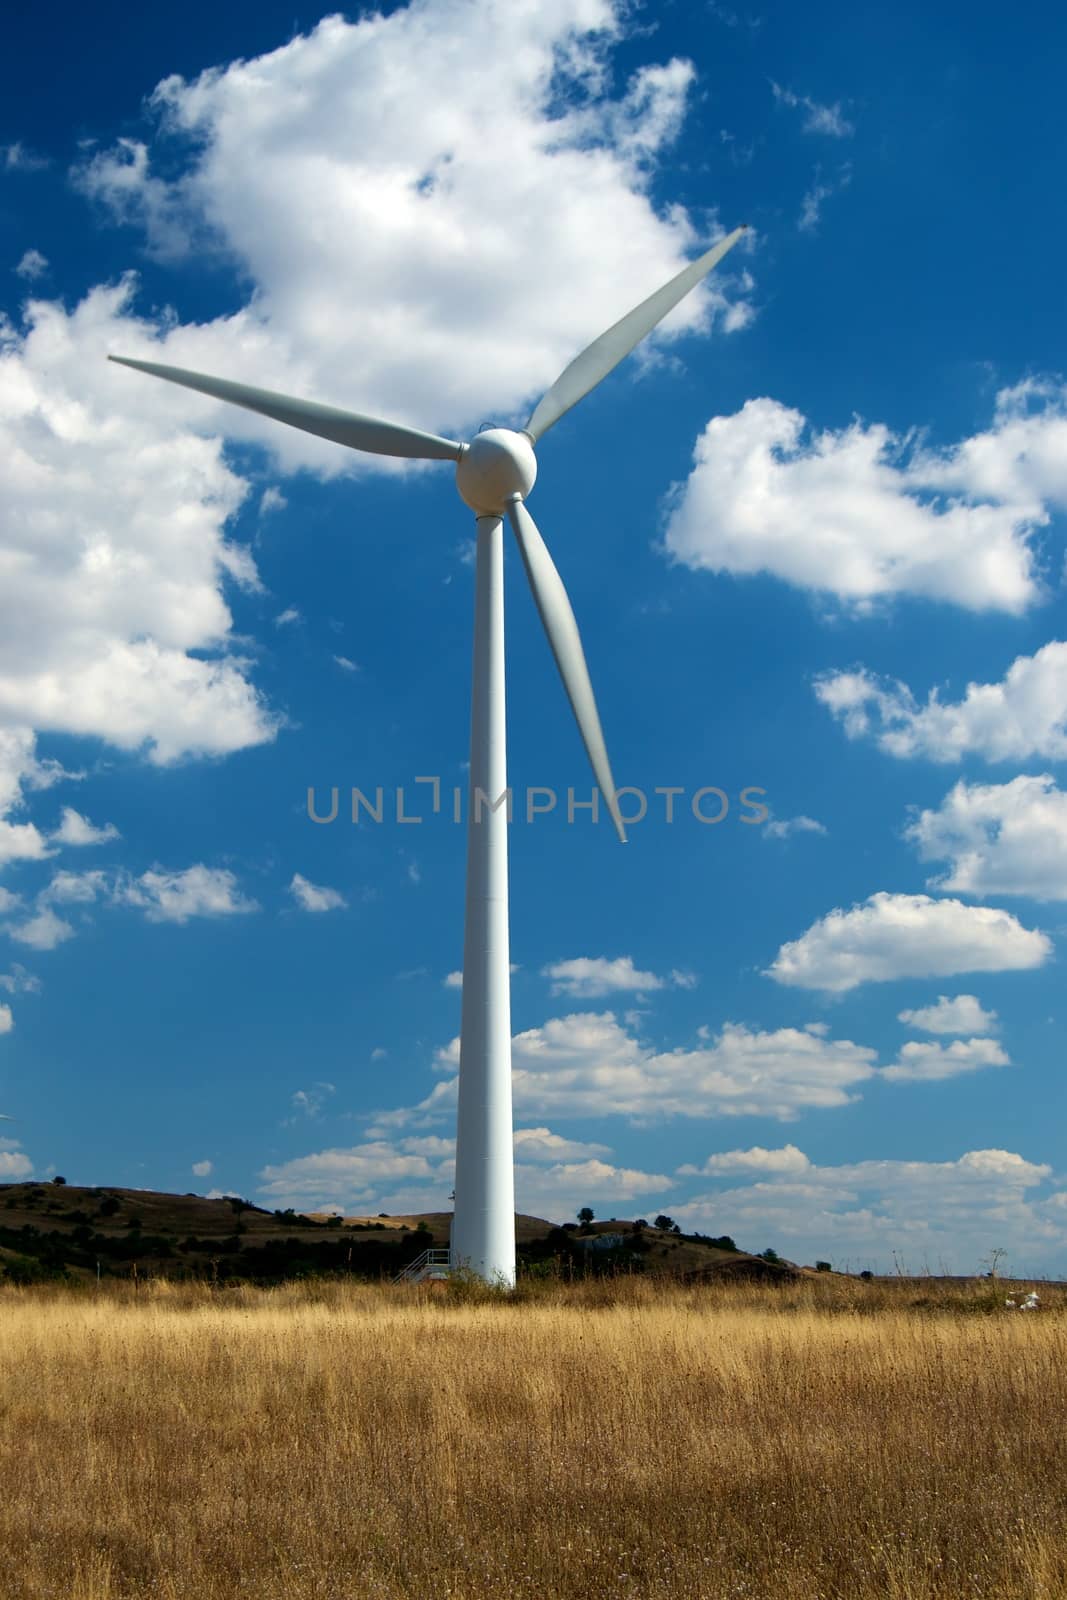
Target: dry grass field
590,1441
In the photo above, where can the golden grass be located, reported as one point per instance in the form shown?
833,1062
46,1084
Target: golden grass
340,1441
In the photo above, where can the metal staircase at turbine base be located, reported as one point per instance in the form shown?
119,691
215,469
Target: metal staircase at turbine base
436,1265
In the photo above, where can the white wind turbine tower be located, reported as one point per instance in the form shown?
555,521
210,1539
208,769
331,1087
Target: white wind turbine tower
494,474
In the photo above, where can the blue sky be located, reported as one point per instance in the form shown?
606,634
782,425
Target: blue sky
813,535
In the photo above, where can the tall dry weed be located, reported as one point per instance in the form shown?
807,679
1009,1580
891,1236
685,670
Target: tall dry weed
334,1441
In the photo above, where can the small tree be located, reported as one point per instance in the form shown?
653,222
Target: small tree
585,1217
770,1255
665,1224
58,1179
823,1266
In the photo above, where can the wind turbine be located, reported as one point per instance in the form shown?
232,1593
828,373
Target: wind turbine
495,472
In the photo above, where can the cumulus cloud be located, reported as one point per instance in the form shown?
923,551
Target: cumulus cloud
588,1065
114,622
7,1021
894,936
14,1163
786,827
927,1212
18,980
32,265
315,897
785,1159
203,1169
541,1144
42,931
76,830
864,515
334,200
1022,716
1008,838
553,1176
928,1060
590,977
197,891
963,1013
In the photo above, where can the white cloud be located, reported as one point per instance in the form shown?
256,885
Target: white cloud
345,664
828,119
963,1013
44,931
289,615
203,1169
32,265
591,977
786,1159
115,551
357,1173
197,891
927,1212
314,897
1022,716
416,1173
864,515
309,1102
1008,838
18,157
18,980
272,499
587,1065
821,190
787,827
354,216
74,829
74,888
20,770
927,1060
7,1021
541,1144
14,1165
907,936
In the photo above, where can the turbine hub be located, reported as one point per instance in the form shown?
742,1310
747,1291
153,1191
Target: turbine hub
494,466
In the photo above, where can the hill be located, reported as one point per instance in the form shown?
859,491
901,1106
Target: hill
49,1230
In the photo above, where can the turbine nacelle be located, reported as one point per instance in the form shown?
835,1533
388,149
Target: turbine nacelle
496,466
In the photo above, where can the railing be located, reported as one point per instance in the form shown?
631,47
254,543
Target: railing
431,1264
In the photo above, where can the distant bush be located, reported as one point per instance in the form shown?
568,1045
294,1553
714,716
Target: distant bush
58,1179
769,1255
867,1275
665,1224
823,1266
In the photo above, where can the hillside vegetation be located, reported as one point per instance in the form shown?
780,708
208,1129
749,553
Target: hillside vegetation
52,1230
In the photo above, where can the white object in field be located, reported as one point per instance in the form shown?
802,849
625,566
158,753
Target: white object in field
495,472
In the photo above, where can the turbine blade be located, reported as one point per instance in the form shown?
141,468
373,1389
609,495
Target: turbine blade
562,631
343,427
605,353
